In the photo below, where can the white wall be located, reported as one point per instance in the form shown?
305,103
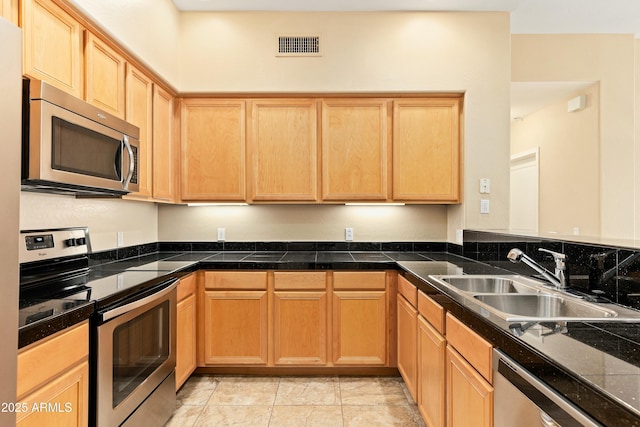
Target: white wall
610,60
569,143
303,223
374,52
362,52
149,29
104,217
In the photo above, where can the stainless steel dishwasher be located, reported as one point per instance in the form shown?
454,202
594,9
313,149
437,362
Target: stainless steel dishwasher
522,400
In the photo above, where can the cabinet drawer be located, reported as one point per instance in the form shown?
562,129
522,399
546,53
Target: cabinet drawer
247,280
470,345
355,280
407,290
187,286
431,311
41,361
294,280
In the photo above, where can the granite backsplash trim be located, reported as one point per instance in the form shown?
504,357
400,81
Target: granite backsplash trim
139,250
608,271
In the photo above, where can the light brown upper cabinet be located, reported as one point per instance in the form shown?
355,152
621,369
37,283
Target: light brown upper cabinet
105,76
283,150
139,112
213,150
354,149
9,10
426,150
163,149
53,42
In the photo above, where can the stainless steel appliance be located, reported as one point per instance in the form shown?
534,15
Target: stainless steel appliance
10,101
132,354
72,147
521,399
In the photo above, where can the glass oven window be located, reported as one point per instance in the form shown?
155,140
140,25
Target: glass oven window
80,150
140,346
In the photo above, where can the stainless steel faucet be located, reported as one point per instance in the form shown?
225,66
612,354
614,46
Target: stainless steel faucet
558,278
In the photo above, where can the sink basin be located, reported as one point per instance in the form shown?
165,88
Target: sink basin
486,284
543,306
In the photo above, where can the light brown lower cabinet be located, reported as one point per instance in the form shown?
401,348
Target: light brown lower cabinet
300,318
53,380
295,319
360,318
407,344
469,395
186,361
431,374
469,376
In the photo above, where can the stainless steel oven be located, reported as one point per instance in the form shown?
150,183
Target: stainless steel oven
135,352
132,349
70,146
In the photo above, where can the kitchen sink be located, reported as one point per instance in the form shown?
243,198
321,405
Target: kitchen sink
487,284
515,298
544,306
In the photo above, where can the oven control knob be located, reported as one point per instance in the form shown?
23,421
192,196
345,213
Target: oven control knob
79,241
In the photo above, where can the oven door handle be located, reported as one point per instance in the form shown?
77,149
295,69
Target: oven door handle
108,315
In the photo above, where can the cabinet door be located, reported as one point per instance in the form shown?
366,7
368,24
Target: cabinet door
283,150
359,328
213,150
9,10
63,401
185,339
235,327
163,150
354,149
139,111
469,395
431,374
105,77
53,46
300,328
407,337
426,150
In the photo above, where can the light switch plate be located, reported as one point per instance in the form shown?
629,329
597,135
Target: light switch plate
221,234
484,206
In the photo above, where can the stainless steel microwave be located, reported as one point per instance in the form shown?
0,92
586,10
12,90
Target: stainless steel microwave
72,147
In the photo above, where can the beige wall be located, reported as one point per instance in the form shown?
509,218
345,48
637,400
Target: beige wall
374,52
104,217
150,29
609,59
569,163
303,223
362,52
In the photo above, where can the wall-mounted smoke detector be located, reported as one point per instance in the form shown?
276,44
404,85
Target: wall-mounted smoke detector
298,45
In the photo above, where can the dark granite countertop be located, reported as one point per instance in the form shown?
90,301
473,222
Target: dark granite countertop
595,366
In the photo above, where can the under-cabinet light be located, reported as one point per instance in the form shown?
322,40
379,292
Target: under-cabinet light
373,204
217,204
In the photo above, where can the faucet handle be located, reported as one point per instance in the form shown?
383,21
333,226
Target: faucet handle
558,257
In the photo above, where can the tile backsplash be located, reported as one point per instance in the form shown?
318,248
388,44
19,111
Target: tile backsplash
609,271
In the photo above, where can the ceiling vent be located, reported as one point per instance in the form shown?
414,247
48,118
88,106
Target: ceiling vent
298,45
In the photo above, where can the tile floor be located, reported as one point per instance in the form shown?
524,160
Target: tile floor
207,400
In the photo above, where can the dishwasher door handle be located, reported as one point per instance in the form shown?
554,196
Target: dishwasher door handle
555,409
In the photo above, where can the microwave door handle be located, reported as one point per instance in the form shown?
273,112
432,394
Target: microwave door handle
127,180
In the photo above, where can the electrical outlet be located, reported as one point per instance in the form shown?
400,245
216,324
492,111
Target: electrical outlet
120,239
485,186
459,236
348,234
221,234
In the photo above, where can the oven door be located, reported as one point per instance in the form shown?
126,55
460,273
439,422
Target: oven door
135,355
